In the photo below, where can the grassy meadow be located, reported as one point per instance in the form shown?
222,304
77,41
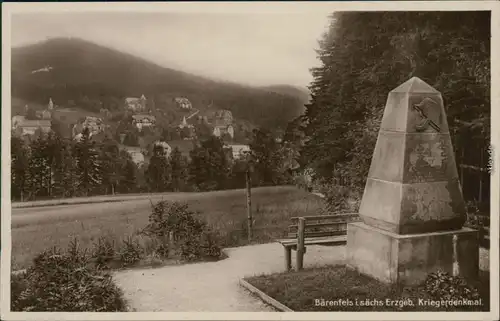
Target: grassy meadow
36,229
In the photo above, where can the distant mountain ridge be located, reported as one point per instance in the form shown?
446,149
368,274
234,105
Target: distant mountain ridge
71,70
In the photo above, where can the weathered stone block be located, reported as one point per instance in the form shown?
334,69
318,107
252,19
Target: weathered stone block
412,184
408,259
428,158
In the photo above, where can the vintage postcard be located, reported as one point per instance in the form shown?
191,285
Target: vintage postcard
250,160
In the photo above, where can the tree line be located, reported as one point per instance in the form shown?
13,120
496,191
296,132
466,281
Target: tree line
50,166
364,55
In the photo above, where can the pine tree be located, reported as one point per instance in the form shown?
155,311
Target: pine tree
158,171
179,170
19,168
364,55
65,176
54,145
266,154
129,181
210,168
39,167
88,167
112,165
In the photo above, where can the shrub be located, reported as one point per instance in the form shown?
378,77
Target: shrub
340,198
202,246
18,285
193,240
173,217
161,250
104,252
441,285
60,281
131,251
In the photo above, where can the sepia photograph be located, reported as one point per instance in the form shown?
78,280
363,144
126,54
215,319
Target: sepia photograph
337,159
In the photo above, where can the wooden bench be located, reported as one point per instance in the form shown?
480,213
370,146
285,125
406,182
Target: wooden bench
328,230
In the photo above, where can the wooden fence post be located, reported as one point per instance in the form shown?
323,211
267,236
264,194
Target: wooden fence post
171,243
480,198
288,258
300,244
461,168
249,204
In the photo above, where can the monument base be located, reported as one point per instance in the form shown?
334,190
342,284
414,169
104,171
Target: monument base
408,259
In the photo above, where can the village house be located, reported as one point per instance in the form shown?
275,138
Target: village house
166,147
50,106
187,129
43,114
136,104
16,120
221,130
46,113
141,121
94,124
136,154
223,120
183,103
29,127
239,151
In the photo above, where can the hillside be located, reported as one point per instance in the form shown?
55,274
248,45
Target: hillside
77,73
302,94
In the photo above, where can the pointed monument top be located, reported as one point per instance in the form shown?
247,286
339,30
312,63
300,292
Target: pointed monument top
415,85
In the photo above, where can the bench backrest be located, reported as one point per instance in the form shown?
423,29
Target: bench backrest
323,225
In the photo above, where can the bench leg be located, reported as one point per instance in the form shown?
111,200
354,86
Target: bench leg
288,258
300,259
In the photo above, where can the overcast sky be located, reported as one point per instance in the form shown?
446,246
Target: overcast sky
255,49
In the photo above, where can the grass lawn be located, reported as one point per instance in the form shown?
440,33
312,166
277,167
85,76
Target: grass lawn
34,230
311,289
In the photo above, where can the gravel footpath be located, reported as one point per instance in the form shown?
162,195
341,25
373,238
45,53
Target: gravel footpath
213,286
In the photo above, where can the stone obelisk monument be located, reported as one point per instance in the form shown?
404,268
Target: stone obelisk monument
412,209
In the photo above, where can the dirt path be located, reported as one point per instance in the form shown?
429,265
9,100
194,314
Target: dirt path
213,287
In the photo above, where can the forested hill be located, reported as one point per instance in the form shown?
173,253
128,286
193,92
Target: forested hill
302,93
74,71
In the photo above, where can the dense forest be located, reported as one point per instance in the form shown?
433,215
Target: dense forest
364,55
51,166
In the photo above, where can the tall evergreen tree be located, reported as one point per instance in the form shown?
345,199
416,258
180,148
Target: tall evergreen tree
266,154
39,167
65,174
158,171
19,168
209,168
54,145
112,165
179,170
129,181
364,55
88,166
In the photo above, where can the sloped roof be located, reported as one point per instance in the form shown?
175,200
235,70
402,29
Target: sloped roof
141,117
18,118
35,123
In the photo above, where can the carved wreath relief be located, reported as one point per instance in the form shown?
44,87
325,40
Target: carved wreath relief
429,112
